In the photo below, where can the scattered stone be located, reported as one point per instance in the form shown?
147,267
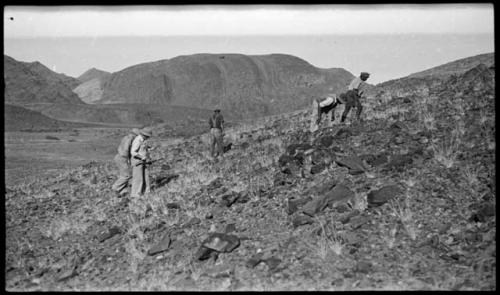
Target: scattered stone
322,157
294,204
203,253
339,194
226,148
444,228
485,211
355,164
192,221
383,195
272,263
302,220
285,159
294,170
338,282
357,221
345,219
318,168
243,199
173,206
67,275
300,158
109,234
399,140
326,141
163,180
254,260
221,242
398,126
229,199
163,245
295,148
215,184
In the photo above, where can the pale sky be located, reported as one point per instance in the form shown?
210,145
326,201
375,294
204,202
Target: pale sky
389,41
97,21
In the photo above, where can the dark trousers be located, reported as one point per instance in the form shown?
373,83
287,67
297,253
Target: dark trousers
351,98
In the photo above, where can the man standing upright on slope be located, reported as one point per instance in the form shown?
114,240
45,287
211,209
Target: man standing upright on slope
353,94
216,123
139,159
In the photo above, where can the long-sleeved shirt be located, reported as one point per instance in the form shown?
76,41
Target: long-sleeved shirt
356,84
138,149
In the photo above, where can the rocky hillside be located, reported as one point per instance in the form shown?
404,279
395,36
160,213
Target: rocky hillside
34,83
246,85
457,67
90,89
422,82
404,200
17,118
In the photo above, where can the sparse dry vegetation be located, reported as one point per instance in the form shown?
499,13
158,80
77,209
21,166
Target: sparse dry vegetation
434,228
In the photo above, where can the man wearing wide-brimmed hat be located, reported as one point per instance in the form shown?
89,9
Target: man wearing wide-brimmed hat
353,94
139,158
122,161
216,122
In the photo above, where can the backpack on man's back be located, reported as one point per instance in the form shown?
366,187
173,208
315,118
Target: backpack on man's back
125,145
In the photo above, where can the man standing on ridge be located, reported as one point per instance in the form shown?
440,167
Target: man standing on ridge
140,158
122,160
353,94
216,123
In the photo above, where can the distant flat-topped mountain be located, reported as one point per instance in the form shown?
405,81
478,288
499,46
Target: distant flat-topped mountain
249,86
34,83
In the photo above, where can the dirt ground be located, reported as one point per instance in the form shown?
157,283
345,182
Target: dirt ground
29,154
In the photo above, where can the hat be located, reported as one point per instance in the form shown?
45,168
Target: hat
365,74
146,131
135,131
